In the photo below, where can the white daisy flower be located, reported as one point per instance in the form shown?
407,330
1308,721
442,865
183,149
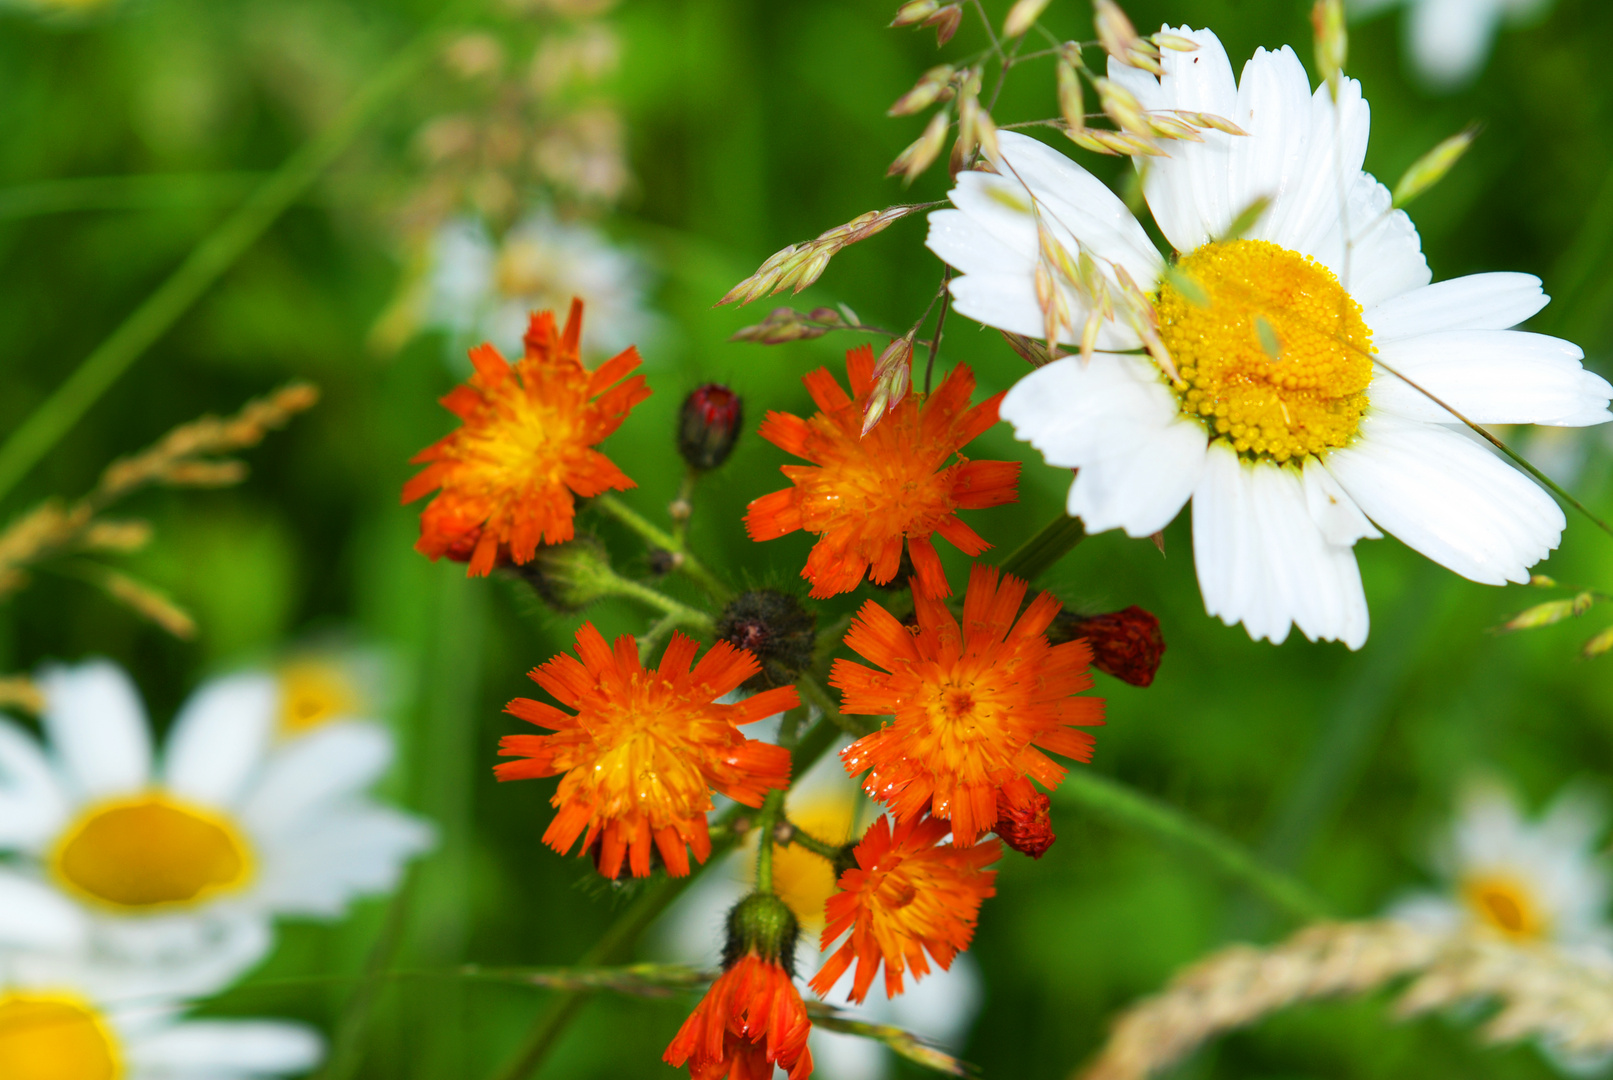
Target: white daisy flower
1540,881
482,291
177,867
330,682
1450,40
57,1033
1286,435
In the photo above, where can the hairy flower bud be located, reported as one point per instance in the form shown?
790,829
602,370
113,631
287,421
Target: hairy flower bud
776,629
569,576
1126,644
709,425
1027,829
764,926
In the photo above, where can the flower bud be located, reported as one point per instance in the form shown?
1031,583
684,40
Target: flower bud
1027,829
569,576
764,926
1126,644
773,627
709,425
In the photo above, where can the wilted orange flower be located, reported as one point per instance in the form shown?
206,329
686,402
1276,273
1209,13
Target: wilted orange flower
645,748
863,495
968,708
751,1019
908,894
509,474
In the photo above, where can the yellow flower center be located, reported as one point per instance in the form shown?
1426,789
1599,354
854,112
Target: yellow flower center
1507,905
151,851
1273,353
313,692
46,1037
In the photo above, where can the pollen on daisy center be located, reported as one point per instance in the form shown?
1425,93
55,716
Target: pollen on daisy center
1274,355
1506,905
152,851
47,1037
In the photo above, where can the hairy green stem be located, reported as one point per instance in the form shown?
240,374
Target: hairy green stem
685,615
1038,554
207,262
1134,810
686,563
655,635
766,825
791,833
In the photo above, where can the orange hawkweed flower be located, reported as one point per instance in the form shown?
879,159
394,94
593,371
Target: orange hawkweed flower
863,495
645,748
509,474
908,894
750,1020
969,708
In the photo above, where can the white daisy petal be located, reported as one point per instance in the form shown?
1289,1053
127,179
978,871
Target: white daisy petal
1449,498
207,1049
97,725
32,804
219,738
354,848
1497,301
308,774
1274,107
1384,257
1449,39
1225,553
34,915
1491,377
1307,213
1334,512
1113,419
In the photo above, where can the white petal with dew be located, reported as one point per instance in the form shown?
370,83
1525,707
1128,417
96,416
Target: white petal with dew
1490,377
97,726
1448,497
220,737
33,807
1113,419
1497,301
306,775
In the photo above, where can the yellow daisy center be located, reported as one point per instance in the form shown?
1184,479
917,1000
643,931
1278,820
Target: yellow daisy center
1507,905
46,1037
151,851
1273,353
313,692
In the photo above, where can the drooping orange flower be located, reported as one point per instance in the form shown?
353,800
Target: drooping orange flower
645,749
750,1020
908,894
509,474
969,708
863,495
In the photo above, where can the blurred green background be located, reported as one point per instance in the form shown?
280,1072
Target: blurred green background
752,124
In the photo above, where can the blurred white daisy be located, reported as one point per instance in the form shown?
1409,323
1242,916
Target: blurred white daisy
1527,881
177,867
941,1007
1286,435
482,291
330,682
59,1033
1450,40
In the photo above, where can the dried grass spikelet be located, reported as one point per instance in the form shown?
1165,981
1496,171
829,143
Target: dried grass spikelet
21,693
799,265
1542,991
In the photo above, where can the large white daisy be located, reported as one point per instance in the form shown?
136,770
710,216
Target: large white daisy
57,1032
1287,438
177,867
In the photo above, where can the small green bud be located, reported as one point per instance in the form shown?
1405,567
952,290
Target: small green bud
569,576
764,925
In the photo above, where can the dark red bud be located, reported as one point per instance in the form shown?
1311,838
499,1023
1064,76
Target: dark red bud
1027,827
709,425
1126,644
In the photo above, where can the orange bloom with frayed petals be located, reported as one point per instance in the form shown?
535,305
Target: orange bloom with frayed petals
908,894
864,495
969,707
509,475
645,749
750,1020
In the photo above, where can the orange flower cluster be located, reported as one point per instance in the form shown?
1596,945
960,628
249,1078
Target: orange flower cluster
750,1020
970,706
509,474
864,495
645,749
907,894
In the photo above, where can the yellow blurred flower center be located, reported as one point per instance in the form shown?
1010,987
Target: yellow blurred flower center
805,881
1507,905
313,693
54,1038
1273,353
151,851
